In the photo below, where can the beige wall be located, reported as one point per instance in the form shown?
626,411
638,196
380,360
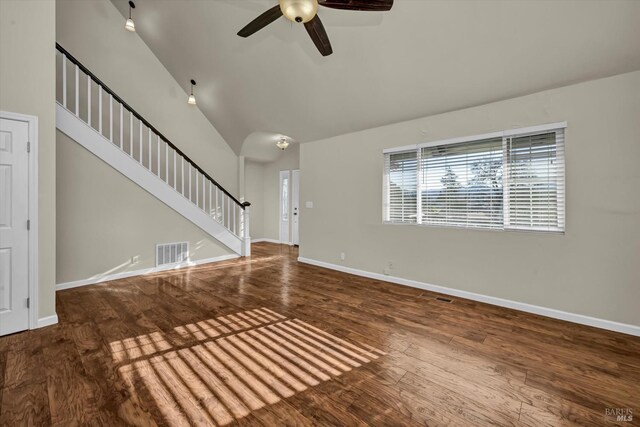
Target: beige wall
93,32
593,269
27,86
105,219
262,181
254,193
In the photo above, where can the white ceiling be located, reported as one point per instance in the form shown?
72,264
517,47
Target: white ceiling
421,58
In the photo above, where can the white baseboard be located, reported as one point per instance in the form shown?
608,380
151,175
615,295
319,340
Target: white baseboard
125,274
47,321
535,309
264,239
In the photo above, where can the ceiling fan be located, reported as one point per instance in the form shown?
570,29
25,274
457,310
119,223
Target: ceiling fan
305,12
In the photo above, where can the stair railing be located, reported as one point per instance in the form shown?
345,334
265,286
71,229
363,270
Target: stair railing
92,101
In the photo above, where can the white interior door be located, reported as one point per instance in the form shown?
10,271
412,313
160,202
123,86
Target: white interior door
14,235
295,211
285,186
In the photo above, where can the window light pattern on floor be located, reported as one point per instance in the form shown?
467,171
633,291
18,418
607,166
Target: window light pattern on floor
239,363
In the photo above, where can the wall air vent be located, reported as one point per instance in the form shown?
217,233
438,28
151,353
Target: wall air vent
443,299
172,253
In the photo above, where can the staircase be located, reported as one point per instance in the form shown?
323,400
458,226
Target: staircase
95,117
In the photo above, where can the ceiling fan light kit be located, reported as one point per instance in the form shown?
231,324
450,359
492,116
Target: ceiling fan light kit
306,12
301,11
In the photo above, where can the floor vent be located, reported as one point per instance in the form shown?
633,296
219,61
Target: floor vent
443,299
172,253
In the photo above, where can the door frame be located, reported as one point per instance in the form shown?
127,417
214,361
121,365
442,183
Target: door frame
32,122
295,198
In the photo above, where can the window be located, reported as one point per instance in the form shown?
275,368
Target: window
402,171
504,180
285,198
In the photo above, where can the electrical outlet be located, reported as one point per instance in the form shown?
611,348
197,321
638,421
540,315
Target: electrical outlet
388,269
342,256
135,259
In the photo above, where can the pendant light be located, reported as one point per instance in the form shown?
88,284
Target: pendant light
129,25
192,99
282,143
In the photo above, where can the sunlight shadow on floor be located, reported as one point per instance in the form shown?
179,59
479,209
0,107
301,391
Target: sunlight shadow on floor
219,370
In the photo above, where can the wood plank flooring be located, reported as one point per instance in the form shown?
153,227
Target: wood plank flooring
270,341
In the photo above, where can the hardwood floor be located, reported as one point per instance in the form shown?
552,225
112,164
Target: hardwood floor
270,341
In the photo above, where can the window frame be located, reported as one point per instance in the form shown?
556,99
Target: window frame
505,135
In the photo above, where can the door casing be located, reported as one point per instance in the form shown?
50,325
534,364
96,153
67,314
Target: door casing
295,206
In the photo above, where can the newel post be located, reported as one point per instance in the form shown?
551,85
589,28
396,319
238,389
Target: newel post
246,237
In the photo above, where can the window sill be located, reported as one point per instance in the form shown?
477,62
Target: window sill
459,227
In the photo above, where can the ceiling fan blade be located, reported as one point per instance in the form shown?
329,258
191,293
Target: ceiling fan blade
368,5
261,21
319,35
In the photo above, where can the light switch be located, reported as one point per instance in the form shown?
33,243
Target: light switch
309,205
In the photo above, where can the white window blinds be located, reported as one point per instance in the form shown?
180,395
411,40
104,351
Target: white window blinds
505,180
535,182
401,184
461,184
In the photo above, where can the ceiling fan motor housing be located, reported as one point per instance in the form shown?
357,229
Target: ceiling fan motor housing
300,11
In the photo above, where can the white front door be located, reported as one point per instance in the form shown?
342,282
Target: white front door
284,206
295,217
14,235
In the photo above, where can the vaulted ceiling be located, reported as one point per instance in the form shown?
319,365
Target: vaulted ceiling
421,58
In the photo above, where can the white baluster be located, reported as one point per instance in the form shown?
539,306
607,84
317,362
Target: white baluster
175,172
111,117
234,218
197,190
130,133
228,212
182,180
77,93
245,232
121,127
222,215
64,80
210,198
149,164
100,109
204,194
166,165
88,100
189,180
158,151
217,205
140,142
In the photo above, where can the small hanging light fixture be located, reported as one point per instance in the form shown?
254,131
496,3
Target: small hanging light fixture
192,99
282,143
129,25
